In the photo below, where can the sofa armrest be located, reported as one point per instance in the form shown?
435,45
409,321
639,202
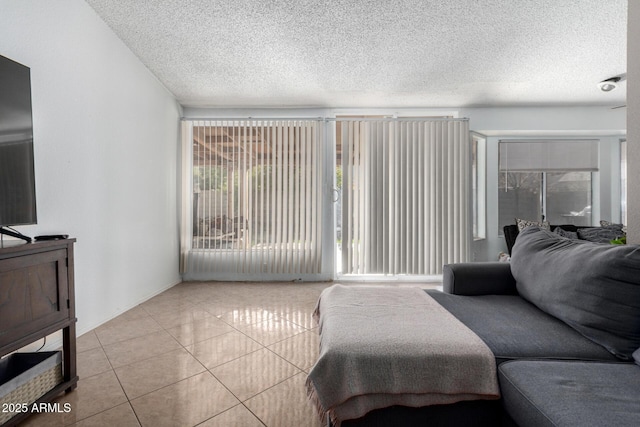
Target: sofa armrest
510,234
478,278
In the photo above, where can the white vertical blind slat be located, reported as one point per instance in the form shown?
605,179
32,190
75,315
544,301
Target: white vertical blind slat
277,219
421,184
317,193
247,171
350,199
434,198
304,134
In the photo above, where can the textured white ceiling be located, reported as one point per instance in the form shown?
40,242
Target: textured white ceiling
377,53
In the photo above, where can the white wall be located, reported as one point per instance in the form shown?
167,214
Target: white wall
106,144
570,121
633,117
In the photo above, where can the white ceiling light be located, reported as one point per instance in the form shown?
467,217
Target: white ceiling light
609,84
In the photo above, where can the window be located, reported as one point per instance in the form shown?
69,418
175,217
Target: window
519,196
479,185
559,197
568,198
546,180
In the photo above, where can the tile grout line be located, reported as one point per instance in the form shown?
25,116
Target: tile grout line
209,370
113,369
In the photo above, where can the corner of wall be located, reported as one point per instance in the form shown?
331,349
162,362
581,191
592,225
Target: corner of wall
633,124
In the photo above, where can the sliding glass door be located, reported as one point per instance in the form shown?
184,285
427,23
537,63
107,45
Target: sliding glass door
405,195
257,199
254,188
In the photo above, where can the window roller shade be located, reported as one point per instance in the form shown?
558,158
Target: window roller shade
548,155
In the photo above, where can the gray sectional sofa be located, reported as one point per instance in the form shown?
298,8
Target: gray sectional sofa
603,234
563,321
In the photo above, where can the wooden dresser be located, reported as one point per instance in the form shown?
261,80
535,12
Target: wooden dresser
36,300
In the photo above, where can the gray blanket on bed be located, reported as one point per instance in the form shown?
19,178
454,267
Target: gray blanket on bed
382,346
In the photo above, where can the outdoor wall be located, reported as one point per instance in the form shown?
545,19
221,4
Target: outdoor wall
106,144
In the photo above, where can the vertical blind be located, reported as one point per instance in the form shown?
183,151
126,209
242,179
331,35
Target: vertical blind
252,197
406,195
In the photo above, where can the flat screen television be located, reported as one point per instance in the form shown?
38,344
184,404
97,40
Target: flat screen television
17,176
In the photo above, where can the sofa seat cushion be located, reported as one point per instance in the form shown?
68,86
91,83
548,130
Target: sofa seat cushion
560,393
514,328
593,287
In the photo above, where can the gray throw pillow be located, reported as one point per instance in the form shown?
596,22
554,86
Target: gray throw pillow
594,288
604,223
564,233
600,234
524,223
636,356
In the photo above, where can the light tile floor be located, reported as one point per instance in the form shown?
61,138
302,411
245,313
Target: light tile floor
205,354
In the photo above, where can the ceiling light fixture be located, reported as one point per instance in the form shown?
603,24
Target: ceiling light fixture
609,84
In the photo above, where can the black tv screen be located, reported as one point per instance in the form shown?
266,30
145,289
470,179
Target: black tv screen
17,179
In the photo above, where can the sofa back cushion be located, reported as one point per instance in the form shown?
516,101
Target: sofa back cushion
601,234
593,287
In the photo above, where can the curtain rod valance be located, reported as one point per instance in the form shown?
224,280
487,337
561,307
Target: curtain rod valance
550,140
252,119
396,119
327,119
